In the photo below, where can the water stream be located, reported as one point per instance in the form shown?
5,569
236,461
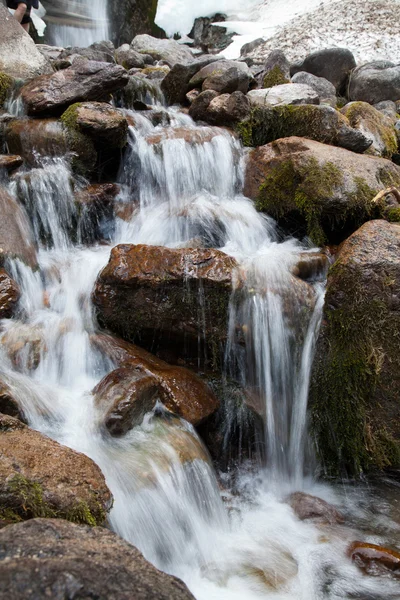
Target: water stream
226,540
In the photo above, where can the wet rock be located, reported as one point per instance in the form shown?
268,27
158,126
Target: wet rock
192,95
374,125
209,37
324,88
19,56
41,478
176,85
320,123
24,345
167,50
84,80
226,109
321,190
158,296
99,51
9,295
276,70
7,84
95,207
232,80
10,162
15,233
375,560
306,507
9,404
356,375
105,125
375,82
63,560
283,95
333,64
129,58
311,266
215,68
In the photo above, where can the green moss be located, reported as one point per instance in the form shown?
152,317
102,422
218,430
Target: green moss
274,77
150,70
361,112
6,85
393,215
82,514
85,155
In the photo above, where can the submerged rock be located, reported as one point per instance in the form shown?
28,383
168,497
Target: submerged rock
375,560
375,82
9,404
306,507
356,374
84,80
334,64
41,478
374,125
15,232
166,297
65,560
317,189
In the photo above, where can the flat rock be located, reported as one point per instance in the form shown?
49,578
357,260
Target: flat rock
324,88
283,95
167,50
307,507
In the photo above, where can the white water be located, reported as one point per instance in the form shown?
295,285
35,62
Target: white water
243,543
86,22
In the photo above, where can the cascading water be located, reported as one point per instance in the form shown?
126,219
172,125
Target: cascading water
76,22
227,546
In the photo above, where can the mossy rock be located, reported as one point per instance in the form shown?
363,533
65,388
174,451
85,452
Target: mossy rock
375,124
317,190
6,85
356,377
85,155
274,77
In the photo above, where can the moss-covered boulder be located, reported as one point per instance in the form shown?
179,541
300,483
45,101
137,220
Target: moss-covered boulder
104,125
276,70
356,378
41,478
375,125
321,123
316,189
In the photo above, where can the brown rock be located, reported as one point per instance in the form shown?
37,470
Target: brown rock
84,80
228,109
95,207
152,293
189,135
10,162
53,558
375,560
9,295
306,506
15,233
24,345
9,405
39,477
106,125
375,125
311,266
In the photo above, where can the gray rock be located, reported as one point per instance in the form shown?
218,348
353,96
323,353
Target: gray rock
176,84
84,80
247,48
276,70
129,58
334,64
51,558
100,51
282,95
211,37
324,88
375,82
216,68
167,50
373,124
199,106
19,56
50,52
387,108
226,109
232,80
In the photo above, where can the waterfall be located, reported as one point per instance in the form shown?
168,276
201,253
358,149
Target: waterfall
227,541
76,22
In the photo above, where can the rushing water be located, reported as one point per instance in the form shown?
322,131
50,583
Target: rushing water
228,539
76,22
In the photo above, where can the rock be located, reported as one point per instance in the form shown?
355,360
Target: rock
52,53
311,266
189,134
10,162
333,64
324,88
250,46
129,58
374,125
176,85
192,95
199,108
41,478
7,84
320,123
105,125
95,207
375,82
276,70
226,109
53,558
19,56
375,560
356,375
85,80
24,344
327,191
306,507
158,296
15,232
9,295
10,406
167,50
232,80
215,68
282,95
99,51
128,18
209,37
388,108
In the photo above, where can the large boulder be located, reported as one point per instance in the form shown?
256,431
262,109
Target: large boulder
167,50
215,68
19,56
324,191
224,109
15,232
84,80
166,297
232,80
105,125
375,82
176,83
334,64
374,125
324,88
321,123
356,376
51,558
41,478
283,95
